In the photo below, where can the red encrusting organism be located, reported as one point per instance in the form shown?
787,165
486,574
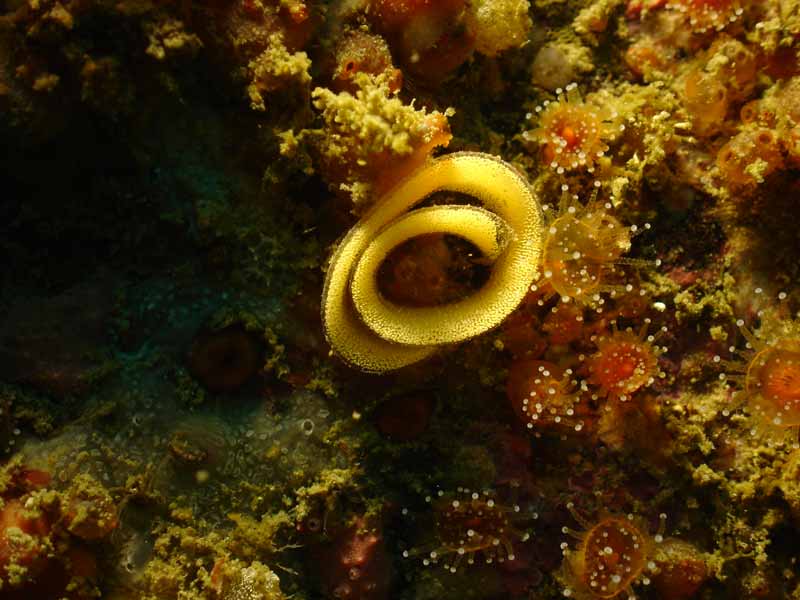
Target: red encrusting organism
416,272
356,563
429,36
226,359
682,570
42,531
521,333
564,323
24,540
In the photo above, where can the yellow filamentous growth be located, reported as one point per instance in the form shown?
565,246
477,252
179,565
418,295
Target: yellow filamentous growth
370,332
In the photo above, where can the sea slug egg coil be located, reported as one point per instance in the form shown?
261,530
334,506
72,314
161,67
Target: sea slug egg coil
370,332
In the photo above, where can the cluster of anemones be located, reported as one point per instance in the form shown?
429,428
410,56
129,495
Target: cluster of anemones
749,139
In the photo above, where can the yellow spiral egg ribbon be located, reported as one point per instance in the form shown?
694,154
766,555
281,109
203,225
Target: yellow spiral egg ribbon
376,335
430,325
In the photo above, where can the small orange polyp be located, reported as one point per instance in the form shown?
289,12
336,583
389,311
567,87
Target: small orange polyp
544,396
613,554
468,524
572,133
624,363
580,249
772,383
768,375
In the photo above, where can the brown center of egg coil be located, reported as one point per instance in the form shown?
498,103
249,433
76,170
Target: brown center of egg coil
376,335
